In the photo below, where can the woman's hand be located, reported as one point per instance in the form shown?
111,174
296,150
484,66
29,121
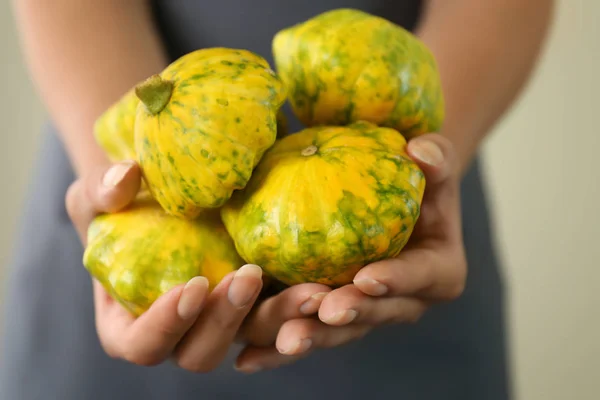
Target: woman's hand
192,327
196,330
432,268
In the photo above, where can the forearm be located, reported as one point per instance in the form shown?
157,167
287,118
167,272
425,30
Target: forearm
486,51
83,55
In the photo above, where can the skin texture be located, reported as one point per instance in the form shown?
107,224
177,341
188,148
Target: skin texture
325,201
346,65
140,253
220,119
81,66
114,129
483,65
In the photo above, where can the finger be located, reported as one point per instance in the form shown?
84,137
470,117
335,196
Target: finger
440,212
409,274
254,359
151,338
435,273
104,190
261,326
207,342
436,156
349,305
296,340
301,335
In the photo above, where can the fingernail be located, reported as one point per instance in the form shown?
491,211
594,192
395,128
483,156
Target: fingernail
242,290
371,287
342,317
116,173
192,298
247,369
298,347
311,305
428,152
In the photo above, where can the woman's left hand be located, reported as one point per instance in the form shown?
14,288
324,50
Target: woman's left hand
432,268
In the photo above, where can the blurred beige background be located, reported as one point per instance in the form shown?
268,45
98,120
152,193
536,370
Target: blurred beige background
21,116
542,165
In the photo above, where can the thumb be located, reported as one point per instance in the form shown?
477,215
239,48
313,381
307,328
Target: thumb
435,155
440,212
108,188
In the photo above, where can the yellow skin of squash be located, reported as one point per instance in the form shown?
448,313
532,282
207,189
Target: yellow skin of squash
326,201
219,120
346,65
114,129
140,253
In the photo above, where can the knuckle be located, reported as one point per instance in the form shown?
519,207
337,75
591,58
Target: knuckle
457,286
409,315
344,336
348,297
299,328
71,199
227,322
362,332
110,349
195,366
168,330
403,318
134,353
414,317
456,291
141,358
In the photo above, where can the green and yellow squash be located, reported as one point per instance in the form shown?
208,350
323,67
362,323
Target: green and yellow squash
326,201
346,65
113,130
203,124
140,253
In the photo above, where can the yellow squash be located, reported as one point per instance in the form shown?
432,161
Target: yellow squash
202,126
113,130
346,65
325,201
141,253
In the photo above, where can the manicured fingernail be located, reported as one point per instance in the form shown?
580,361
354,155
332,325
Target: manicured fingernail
296,348
247,369
116,173
342,317
192,298
311,305
428,152
371,287
242,289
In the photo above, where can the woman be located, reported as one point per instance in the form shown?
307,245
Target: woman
84,54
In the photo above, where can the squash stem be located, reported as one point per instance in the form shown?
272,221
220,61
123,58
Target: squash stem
309,151
155,93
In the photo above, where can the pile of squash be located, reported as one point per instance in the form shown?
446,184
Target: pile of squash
224,184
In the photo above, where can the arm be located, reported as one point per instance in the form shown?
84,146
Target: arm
83,55
486,51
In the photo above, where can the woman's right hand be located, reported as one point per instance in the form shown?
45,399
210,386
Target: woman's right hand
187,324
